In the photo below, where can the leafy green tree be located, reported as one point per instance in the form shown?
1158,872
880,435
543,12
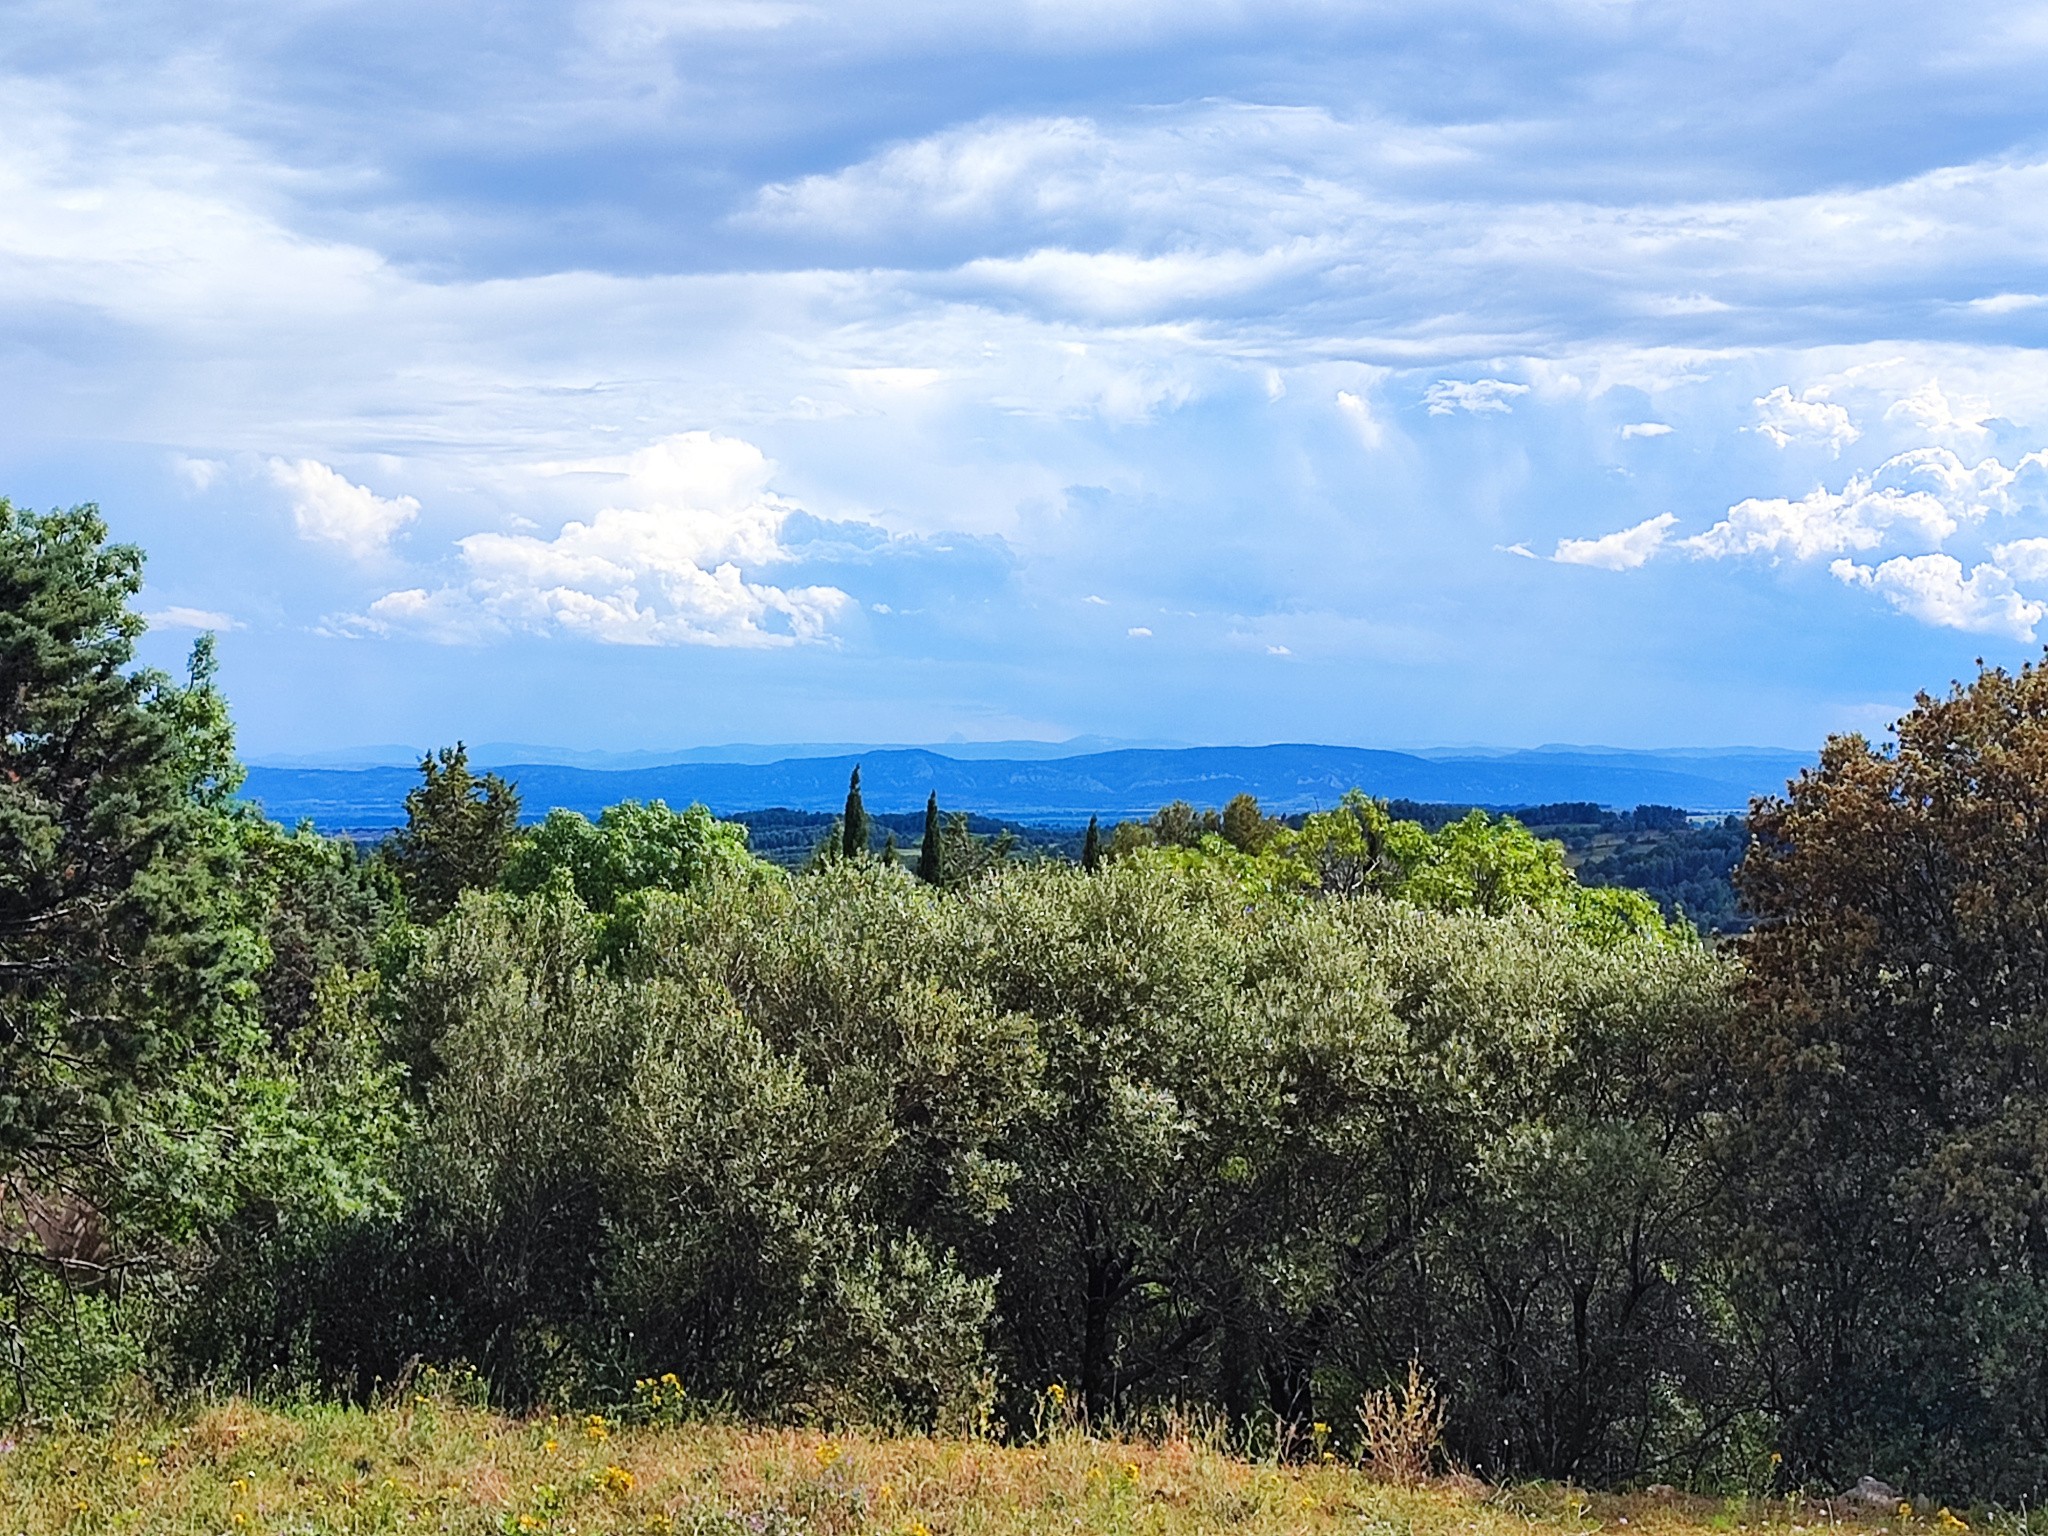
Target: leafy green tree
1245,827
1889,1149
931,857
1127,838
1358,847
853,831
320,908
1179,824
631,847
457,836
1091,846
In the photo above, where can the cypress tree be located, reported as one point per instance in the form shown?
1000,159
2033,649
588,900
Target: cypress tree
889,850
853,837
1091,847
930,864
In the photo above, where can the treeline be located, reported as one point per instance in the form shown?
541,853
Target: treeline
1247,1117
1687,869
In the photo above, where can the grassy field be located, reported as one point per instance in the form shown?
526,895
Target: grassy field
240,1469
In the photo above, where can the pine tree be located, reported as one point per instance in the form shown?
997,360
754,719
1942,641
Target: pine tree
457,835
930,862
1091,847
853,836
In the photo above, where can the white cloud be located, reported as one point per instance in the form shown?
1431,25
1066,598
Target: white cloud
1822,522
1786,419
666,571
1358,411
698,495
198,473
1646,429
1278,650
1115,285
1448,395
176,616
1139,632
2008,303
1100,602
1622,551
329,509
1932,412
1924,492
2023,559
1933,589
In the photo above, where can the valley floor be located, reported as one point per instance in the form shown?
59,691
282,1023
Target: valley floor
239,1469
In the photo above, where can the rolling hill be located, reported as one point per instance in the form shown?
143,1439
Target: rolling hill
1066,790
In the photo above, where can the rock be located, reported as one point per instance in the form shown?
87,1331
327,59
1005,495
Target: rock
1872,1493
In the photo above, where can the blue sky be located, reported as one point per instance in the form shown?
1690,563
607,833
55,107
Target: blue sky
645,373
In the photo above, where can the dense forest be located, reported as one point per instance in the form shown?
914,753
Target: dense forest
1223,1114
1688,869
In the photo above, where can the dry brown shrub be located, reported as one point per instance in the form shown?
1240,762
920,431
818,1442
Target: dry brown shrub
1401,1429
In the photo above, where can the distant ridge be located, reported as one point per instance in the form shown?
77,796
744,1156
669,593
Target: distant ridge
500,754
1066,790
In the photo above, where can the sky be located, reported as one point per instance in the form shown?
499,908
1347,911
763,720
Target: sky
632,374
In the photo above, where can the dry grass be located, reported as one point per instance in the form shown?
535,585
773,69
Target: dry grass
432,1466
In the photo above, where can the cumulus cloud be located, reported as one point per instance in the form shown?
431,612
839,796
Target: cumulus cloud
1646,429
1477,395
664,570
1139,632
1786,419
1929,409
330,509
1926,493
1622,551
1933,589
2023,559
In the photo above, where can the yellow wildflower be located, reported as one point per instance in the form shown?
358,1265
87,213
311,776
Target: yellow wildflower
595,1427
617,1481
827,1453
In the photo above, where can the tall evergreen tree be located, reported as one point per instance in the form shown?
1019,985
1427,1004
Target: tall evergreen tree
853,828
931,866
1091,847
457,835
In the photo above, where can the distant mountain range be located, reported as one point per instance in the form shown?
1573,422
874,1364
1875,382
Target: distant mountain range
501,754
1128,782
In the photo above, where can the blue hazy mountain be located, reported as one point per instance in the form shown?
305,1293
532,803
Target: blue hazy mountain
504,754
1129,782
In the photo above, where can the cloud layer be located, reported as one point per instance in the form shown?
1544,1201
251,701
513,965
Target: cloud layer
801,370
